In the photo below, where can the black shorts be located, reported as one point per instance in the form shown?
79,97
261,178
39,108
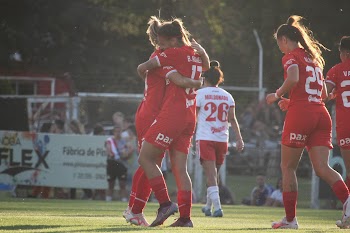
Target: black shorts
115,170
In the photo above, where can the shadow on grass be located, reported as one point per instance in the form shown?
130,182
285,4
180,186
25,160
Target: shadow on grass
28,227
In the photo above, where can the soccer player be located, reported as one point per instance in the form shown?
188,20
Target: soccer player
149,108
215,109
307,123
338,81
174,126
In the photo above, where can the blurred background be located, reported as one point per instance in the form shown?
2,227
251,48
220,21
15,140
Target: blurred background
82,56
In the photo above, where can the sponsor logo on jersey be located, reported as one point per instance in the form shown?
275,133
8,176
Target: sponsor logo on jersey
297,137
218,130
344,141
163,139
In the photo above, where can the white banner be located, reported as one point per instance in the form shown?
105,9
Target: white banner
69,161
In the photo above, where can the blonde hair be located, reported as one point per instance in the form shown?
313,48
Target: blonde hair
175,28
297,32
154,24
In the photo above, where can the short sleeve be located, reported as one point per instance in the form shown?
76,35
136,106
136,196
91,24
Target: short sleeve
199,99
288,61
331,76
167,70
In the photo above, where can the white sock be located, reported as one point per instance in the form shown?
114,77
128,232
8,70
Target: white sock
209,202
213,192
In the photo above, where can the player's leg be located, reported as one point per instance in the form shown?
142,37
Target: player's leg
184,185
345,152
290,158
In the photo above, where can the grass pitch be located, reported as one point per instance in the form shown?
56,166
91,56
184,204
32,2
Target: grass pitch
37,215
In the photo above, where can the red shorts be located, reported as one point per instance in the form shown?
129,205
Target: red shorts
212,151
142,124
171,134
307,128
343,136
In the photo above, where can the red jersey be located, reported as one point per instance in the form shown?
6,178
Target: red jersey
153,93
339,76
307,92
178,100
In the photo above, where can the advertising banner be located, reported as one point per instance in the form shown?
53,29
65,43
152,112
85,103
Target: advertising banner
56,160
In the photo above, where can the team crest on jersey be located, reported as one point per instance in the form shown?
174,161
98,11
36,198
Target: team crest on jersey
163,54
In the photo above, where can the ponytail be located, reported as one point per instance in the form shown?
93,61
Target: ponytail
214,76
152,31
297,32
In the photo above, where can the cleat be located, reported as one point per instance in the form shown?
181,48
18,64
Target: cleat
344,223
207,212
182,223
164,213
218,213
126,213
138,220
284,224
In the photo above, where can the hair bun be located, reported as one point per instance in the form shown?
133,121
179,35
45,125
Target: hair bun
214,63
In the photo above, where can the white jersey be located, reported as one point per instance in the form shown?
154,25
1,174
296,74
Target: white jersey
212,122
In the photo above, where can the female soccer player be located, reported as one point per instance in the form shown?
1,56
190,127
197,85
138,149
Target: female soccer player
149,108
174,126
215,109
338,80
307,123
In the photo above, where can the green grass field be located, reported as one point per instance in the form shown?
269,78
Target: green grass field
38,215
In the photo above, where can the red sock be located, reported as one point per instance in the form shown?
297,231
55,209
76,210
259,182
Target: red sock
160,189
340,190
184,200
290,204
134,185
347,182
142,194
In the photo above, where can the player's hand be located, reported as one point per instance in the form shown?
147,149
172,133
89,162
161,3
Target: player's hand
271,98
239,145
197,47
284,104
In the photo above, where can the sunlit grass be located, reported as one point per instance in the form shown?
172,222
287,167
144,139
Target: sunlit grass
35,215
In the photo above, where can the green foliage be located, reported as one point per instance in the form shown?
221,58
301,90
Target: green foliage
101,42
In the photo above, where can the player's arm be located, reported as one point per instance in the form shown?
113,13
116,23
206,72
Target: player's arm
201,52
291,80
184,82
148,65
109,149
330,91
234,124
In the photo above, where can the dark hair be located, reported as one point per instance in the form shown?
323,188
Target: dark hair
214,74
152,31
98,129
344,43
295,31
60,124
45,128
214,63
175,28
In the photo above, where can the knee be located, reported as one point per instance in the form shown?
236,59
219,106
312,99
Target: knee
322,171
